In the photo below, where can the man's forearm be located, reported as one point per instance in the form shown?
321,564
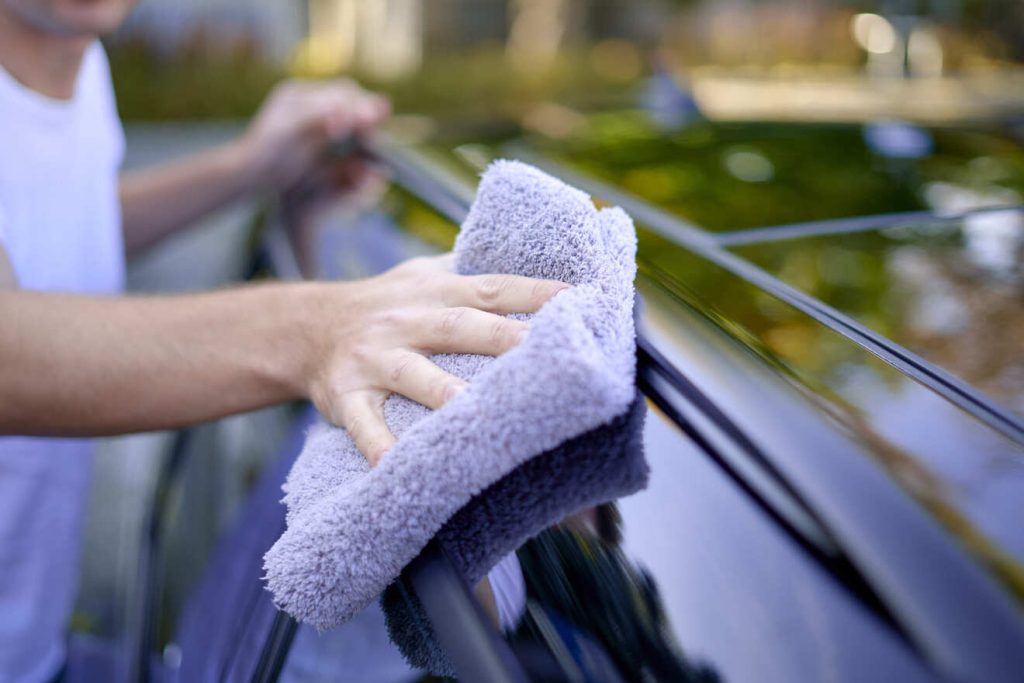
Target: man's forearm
157,201
77,365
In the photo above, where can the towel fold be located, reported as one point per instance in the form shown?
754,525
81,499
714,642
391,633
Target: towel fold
597,467
549,427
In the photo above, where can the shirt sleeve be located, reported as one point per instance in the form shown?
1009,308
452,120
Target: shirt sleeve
99,72
3,229
7,274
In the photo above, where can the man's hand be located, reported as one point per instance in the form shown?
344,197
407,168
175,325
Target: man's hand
286,140
379,343
284,147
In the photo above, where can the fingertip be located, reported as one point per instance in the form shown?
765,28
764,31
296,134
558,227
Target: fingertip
377,452
522,335
454,390
365,424
556,289
380,446
545,291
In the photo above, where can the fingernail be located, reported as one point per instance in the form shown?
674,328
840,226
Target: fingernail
521,337
561,288
377,454
452,391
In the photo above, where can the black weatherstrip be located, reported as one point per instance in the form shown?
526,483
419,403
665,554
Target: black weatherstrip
459,624
275,649
846,226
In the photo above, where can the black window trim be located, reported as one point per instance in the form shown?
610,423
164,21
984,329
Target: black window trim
853,224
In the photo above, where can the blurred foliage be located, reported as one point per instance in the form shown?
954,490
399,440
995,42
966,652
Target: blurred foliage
480,83
191,83
195,83
789,172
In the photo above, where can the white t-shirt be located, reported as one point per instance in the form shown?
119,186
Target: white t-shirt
60,225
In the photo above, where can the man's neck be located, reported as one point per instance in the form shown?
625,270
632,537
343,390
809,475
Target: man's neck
41,61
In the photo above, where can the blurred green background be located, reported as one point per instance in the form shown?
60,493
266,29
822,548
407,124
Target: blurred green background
733,113
186,59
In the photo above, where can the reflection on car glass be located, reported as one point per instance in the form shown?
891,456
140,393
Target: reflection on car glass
594,609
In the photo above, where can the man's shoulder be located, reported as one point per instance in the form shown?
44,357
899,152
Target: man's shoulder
97,91
95,71
96,58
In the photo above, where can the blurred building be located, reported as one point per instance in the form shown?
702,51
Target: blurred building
387,39
273,27
383,39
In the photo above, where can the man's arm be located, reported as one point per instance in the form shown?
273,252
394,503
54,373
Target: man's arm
75,365
283,144
157,201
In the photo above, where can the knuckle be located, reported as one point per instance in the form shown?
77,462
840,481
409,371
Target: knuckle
333,396
501,334
451,321
327,398
441,392
540,292
355,425
492,287
389,319
400,370
425,284
362,355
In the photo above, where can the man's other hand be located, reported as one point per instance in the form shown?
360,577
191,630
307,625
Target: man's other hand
286,140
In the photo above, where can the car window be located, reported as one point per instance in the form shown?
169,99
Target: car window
947,289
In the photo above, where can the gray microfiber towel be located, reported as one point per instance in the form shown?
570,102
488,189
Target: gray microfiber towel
481,471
